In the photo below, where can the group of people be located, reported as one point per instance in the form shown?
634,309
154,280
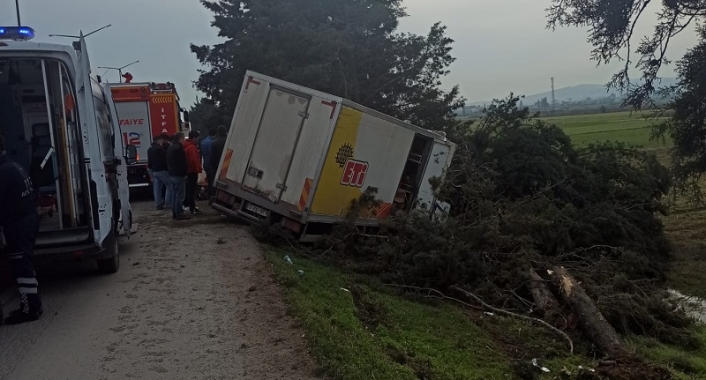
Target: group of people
175,163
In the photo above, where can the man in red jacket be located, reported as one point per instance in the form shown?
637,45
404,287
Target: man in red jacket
193,164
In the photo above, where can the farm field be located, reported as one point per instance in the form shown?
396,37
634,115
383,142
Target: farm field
628,127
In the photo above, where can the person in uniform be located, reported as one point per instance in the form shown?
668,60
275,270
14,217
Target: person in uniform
19,222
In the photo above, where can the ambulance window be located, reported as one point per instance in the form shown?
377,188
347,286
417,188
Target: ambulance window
105,131
69,98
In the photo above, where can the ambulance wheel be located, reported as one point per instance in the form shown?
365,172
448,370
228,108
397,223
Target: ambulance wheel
112,263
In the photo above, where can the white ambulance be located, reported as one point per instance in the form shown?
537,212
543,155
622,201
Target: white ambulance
60,124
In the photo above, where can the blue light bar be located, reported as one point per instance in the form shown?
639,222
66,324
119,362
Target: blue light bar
20,33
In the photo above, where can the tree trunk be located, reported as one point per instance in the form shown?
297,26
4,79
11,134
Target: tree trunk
594,324
541,294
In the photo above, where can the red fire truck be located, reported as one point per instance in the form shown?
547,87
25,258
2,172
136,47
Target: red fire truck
146,110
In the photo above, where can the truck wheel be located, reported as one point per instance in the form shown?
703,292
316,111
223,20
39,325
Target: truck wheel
111,264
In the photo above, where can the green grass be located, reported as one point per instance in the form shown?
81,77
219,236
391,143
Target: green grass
685,365
368,332
629,127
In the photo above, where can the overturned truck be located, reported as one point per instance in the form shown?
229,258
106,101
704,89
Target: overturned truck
299,157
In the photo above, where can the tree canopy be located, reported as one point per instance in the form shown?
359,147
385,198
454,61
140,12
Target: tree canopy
349,48
612,33
612,25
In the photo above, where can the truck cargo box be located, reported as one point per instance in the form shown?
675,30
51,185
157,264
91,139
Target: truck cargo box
299,157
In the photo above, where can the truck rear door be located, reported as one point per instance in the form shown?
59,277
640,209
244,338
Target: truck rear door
275,143
438,162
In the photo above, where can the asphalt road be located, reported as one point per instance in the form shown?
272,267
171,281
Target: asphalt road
192,300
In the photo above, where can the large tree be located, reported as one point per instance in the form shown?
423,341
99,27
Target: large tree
205,115
612,33
349,48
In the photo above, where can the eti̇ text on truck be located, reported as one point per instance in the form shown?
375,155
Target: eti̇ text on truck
299,157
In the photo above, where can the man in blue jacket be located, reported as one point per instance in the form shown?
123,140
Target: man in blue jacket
19,222
205,155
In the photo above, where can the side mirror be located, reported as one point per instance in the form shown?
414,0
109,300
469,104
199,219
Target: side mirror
131,154
186,116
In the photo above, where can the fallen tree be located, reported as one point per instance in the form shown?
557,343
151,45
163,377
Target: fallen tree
542,296
594,324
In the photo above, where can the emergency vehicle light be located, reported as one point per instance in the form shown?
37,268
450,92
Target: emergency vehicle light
22,33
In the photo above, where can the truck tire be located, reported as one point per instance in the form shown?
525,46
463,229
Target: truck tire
112,263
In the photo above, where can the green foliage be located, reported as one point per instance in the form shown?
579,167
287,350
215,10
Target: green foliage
204,115
686,364
522,196
602,194
343,47
366,330
687,125
611,32
612,25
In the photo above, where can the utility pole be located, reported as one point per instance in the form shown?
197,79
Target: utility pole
17,7
553,96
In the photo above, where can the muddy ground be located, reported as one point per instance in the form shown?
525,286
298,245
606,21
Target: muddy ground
192,300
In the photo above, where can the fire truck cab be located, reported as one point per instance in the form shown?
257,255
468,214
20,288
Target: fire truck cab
145,110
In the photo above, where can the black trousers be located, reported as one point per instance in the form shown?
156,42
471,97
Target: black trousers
20,238
191,185
211,178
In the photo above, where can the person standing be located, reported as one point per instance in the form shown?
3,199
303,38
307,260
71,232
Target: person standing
178,170
193,161
157,164
216,151
19,223
206,155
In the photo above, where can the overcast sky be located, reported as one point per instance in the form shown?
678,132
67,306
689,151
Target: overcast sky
501,45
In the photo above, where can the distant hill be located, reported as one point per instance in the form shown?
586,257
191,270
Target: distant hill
577,93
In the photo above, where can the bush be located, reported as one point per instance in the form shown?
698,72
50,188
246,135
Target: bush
523,197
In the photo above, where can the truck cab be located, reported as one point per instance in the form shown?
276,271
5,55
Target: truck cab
61,125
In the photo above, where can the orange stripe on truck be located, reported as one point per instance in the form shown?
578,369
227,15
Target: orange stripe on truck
305,193
226,163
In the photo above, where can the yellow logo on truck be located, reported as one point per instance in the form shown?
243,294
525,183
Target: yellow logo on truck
336,190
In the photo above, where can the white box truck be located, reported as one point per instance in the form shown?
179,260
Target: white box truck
299,157
61,125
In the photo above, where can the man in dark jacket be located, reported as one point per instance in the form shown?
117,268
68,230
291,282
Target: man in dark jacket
217,147
157,165
19,223
178,169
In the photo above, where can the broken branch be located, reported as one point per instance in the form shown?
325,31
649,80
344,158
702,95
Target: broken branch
518,316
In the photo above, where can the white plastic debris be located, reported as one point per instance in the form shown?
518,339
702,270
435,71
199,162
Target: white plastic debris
489,313
544,369
288,260
345,290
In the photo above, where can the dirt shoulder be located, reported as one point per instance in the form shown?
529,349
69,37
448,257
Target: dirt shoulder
193,300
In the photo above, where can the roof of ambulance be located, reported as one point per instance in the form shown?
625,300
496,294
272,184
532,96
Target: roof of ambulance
34,46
